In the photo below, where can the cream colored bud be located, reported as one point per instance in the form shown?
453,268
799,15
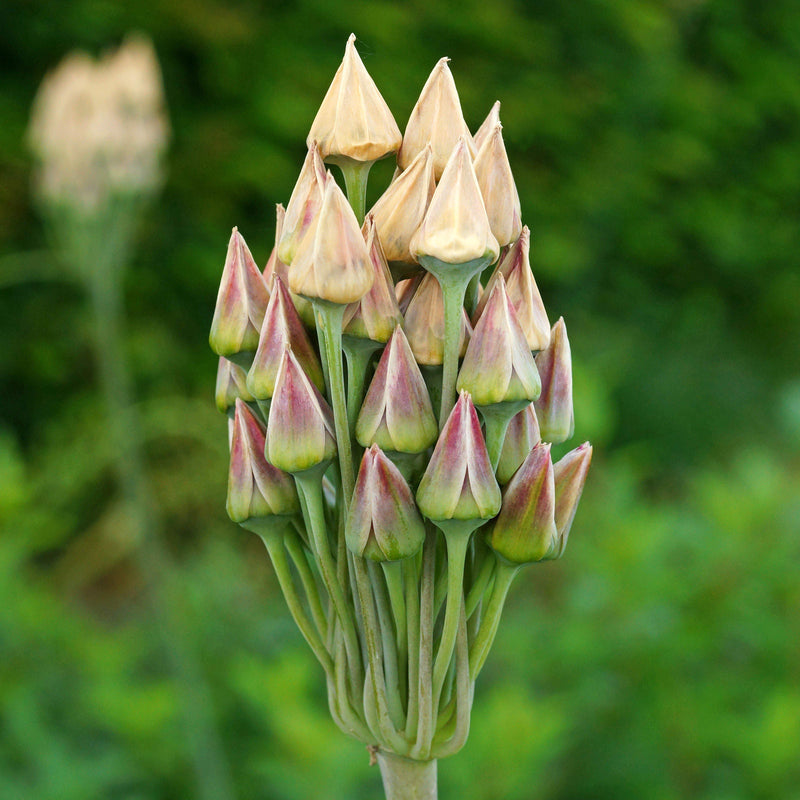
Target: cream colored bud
354,120
456,229
437,120
489,124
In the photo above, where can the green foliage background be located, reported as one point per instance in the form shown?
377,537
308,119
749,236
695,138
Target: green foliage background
656,146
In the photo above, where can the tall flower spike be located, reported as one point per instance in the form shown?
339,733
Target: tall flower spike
554,406
354,121
282,330
425,324
437,120
570,475
521,287
456,229
332,262
521,435
376,314
300,431
231,383
459,482
256,489
383,523
241,303
498,189
303,205
498,366
525,529
401,208
397,413
487,126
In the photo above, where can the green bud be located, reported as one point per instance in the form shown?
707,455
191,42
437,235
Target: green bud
521,435
570,476
554,406
231,383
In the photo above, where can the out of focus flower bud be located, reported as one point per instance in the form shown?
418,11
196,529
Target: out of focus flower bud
570,475
525,529
256,489
274,265
554,406
241,303
300,430
231,383
498,366
397,413
487,126
437,120
282,330
383,523
498,189
515,268
332,262
521,435
354,121
456,229
459,482
425,324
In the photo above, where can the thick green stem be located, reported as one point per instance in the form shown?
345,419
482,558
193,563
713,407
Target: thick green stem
298,552
496,418
404,779
480,584
425,709
411,585
393,572
358,353
356,174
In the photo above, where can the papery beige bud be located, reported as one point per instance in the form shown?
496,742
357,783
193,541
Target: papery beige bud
456,228
354,121
487,126
437,120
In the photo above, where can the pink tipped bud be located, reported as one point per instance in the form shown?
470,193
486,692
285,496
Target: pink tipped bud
332,262
498,366
241,302
570,476
521,435
256,489
354,121
436,119
459,482
397,413
231,383
525,529
383,523
487,126
300,430
515,268
274,265
282,330
554,406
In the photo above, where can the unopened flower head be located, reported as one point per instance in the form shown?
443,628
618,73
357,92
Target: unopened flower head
231,383
521,436
487,126
570,476
554,407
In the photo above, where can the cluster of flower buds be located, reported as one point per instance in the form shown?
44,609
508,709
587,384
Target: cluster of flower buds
391,417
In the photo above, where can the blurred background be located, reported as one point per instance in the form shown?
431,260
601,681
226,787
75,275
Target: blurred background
656,148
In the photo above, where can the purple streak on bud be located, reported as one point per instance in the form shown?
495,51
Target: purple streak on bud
525,529
554,406
231,383
256,489
241,302
459,482
570,476
383,523
521,436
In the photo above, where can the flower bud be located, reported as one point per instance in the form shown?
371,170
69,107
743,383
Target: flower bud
397,413
376,314
570,476
383,523
300,430
521,435
487,126
241,302
437,120
354,121
231,383
456,229
459,482
256,489
515,268
332,262
498,189
401,208
282,330
425,324
554,406
525,529
405,289
498,366
303,205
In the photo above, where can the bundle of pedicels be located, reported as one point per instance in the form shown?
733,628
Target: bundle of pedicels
391,416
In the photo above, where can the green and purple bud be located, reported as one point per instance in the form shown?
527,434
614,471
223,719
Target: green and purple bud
459,482
521,436
554,406
256,489
525,529
300,429
231,383
570,476
396,413
383,523
241,303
